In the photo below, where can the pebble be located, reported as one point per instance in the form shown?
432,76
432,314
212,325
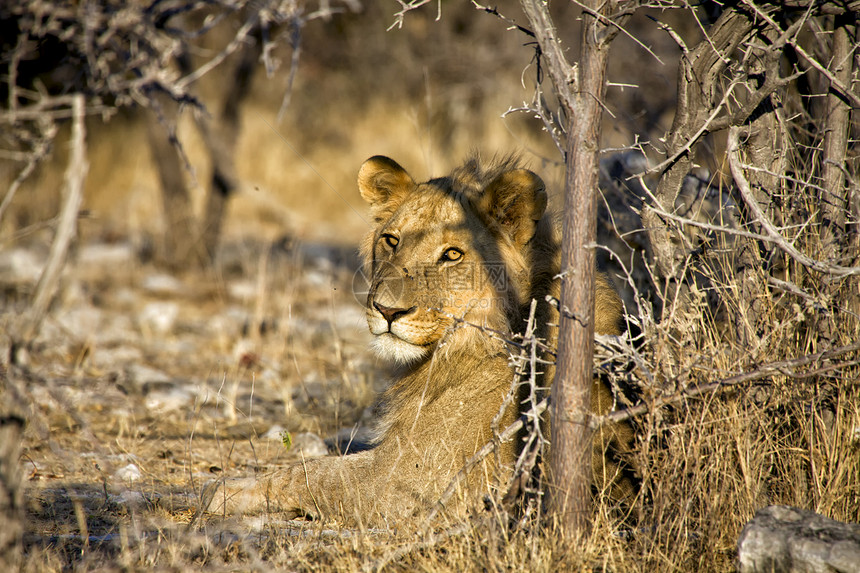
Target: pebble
129,473
159,317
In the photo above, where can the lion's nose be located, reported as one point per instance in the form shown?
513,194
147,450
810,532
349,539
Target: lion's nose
391,314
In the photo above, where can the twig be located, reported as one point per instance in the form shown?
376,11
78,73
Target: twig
425,541
533,416
835,84
564,76
509,21
247,28
535,442
408,6
702,131
518,374
497,334
33,159
611,22
296,47
779,367
771,232
66,229
792,288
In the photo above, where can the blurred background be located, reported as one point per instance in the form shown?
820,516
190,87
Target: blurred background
195,317
426,92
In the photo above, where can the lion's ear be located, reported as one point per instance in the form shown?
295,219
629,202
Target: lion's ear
383,184
517,200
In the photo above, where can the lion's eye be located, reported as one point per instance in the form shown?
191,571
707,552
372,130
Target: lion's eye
451,254
390,240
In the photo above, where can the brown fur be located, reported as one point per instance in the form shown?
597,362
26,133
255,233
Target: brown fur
472,247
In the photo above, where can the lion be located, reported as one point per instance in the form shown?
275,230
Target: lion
455,263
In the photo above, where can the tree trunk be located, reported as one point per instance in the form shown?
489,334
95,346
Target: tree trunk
185,241
699,75
176,248
220,141
764,147
569,493
570,455
836,126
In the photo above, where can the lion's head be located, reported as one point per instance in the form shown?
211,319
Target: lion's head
453,248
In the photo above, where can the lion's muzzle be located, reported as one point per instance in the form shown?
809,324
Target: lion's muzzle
391,314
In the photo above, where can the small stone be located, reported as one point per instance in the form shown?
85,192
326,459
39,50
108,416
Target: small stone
159,317
168,401
129,473
20,266
309,445
139,375
161,284
106,254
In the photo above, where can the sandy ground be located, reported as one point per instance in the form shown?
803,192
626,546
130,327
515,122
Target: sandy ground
144,385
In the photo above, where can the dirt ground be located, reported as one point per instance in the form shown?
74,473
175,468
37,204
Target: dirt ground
144,385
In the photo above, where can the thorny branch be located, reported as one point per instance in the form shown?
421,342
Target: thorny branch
526,364
772,233
791,39
564,76
407,6
531,416
782,367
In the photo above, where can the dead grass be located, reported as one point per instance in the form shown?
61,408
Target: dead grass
143,386
115,452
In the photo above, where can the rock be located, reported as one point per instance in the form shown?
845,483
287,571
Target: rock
243,290
161,284
158,317
274,433
131,498
20,266
782,538
170,400
83,321
129,473
139,375
100,255
304,444
309,445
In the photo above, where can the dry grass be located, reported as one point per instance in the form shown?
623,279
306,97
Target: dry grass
140,389
115,454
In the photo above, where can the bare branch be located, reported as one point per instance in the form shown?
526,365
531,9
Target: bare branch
73,194
615,23
835,83
237,41
34,157
771,232
506,435
783,367
564,76
407,6
693,139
